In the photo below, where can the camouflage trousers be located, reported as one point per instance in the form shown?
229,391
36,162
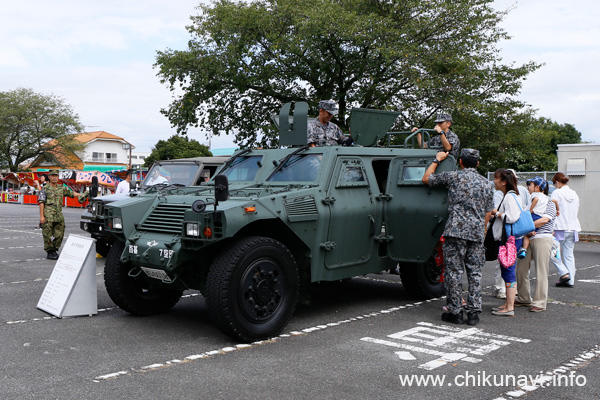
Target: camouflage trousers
52,230
462,254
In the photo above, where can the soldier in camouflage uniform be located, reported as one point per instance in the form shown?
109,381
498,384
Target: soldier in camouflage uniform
446,139
470,198
50,200
322,132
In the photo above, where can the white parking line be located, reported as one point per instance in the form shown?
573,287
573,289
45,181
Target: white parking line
241,346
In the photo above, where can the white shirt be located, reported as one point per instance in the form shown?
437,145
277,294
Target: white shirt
568,206
122,187
542,203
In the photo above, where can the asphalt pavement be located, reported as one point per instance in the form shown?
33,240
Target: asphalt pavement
365,338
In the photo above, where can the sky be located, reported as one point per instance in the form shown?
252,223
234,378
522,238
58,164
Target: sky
98,57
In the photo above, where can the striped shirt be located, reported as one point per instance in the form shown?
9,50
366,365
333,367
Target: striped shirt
547,229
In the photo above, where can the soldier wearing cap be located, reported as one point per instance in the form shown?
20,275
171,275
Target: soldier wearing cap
323,132
445,138
470,198
51,217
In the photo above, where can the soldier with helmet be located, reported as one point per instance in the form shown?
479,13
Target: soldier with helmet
50,200
470,198
445,138
323,132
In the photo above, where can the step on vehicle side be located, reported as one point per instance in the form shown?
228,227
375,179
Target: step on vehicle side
184,171
273,221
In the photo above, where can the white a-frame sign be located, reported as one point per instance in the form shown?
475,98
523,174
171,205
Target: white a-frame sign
72,289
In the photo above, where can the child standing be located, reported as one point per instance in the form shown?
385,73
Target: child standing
539,201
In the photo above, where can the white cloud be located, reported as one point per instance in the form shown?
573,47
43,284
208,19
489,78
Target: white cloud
564,36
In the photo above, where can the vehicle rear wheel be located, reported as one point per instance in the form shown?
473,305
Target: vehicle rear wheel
134,294
103,247
252,288
423,280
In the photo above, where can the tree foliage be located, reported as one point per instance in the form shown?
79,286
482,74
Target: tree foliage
32,124
246,59
176,147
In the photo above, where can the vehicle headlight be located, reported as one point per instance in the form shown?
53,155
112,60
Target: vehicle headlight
94,207
117,223
192,229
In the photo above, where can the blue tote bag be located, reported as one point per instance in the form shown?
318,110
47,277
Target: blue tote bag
524,224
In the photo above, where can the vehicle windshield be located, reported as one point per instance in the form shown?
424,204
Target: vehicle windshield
243,169
299,168
171,174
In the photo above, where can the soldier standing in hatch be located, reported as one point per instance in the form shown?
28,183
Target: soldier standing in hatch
445,138
51,217
322,132
470,198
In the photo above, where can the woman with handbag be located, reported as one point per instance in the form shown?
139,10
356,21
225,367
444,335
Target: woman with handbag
508,212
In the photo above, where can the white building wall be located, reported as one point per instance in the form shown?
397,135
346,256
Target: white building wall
106,146
585,183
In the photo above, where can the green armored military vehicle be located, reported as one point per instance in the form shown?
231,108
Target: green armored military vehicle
273,221
182,172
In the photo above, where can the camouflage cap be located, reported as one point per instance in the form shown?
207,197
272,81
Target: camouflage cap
470,153
442,117
329,106
53,172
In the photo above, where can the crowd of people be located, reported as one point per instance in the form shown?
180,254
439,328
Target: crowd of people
473,208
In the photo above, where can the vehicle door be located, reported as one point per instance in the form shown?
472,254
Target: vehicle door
352,209
415,214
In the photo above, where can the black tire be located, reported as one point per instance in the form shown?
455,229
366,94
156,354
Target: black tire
134,295
103,247
422,280
252,288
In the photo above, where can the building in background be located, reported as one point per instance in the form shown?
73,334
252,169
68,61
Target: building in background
102,152
138,158
581,163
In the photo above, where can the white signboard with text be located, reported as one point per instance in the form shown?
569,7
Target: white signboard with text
72,288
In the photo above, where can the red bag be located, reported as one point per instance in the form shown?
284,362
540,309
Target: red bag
507,253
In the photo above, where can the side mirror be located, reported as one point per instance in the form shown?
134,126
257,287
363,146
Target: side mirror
221,188
94,188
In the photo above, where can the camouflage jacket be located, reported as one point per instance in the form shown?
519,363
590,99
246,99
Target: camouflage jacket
470,197
326,135
52,197
452,138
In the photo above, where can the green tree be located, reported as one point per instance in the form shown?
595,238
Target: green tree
32,124
246,59
176,147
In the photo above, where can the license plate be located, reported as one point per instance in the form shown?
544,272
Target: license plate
156,274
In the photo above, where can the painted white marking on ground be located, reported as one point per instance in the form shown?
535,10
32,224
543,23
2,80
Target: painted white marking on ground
405,355
283,336
552,378
448,343
589,280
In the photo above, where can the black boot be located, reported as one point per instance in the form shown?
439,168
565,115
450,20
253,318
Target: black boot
473,319
52,255
453,318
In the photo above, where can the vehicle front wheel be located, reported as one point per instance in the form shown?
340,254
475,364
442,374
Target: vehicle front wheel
252,288
424,280
103,247
134,294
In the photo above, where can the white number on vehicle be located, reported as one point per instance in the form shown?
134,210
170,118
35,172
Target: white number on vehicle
164,253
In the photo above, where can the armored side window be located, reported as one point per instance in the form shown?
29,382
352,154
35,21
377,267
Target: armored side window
299,168
352,174
243,169
413,173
